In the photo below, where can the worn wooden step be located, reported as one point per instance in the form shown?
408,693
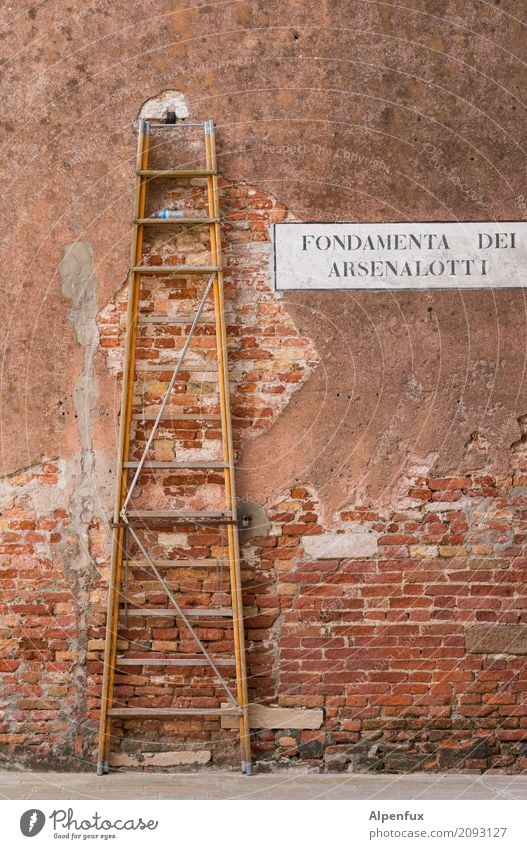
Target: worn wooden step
173,661
171,173
175,464
167,514
124,712
175,514
168,413
166,319
196,563
143,365
164,222
175,269
172,612
180,517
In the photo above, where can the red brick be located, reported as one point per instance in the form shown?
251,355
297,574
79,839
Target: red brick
448,483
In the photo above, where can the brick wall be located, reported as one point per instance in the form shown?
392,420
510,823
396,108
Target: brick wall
43,604
395,646
404,624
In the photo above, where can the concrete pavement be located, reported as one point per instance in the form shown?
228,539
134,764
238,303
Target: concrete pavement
284,785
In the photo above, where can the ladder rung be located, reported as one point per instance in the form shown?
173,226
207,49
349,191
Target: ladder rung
193,367
147,416
166,319
174,464
176,269
124,712
171,611
203,563
171,514
173,661
164,222
179,172
154,519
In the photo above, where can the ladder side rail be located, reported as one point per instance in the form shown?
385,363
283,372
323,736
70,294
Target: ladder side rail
124,442
230,486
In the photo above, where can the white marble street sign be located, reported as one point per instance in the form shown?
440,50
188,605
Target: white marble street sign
461,255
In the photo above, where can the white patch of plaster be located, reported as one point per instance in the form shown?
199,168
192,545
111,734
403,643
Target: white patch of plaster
167,101
476,454
447,506
25,483
394,497
79,286
79,478
415,466
333,546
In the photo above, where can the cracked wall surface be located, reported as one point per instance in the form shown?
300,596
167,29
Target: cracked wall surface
383,434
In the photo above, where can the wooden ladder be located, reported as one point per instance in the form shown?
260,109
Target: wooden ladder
129,525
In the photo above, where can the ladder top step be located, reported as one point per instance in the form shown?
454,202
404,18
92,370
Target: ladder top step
176,269
172,612
174,174
164,222
173,661
124,712
174,464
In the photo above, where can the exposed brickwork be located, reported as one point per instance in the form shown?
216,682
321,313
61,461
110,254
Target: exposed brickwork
378,642
269,359
42,663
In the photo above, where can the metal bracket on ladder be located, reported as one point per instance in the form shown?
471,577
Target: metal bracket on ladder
123,518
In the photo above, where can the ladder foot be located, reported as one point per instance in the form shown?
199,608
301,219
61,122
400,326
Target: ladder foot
100,768
247,768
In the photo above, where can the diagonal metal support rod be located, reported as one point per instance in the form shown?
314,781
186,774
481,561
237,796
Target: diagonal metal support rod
166,588
167,395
